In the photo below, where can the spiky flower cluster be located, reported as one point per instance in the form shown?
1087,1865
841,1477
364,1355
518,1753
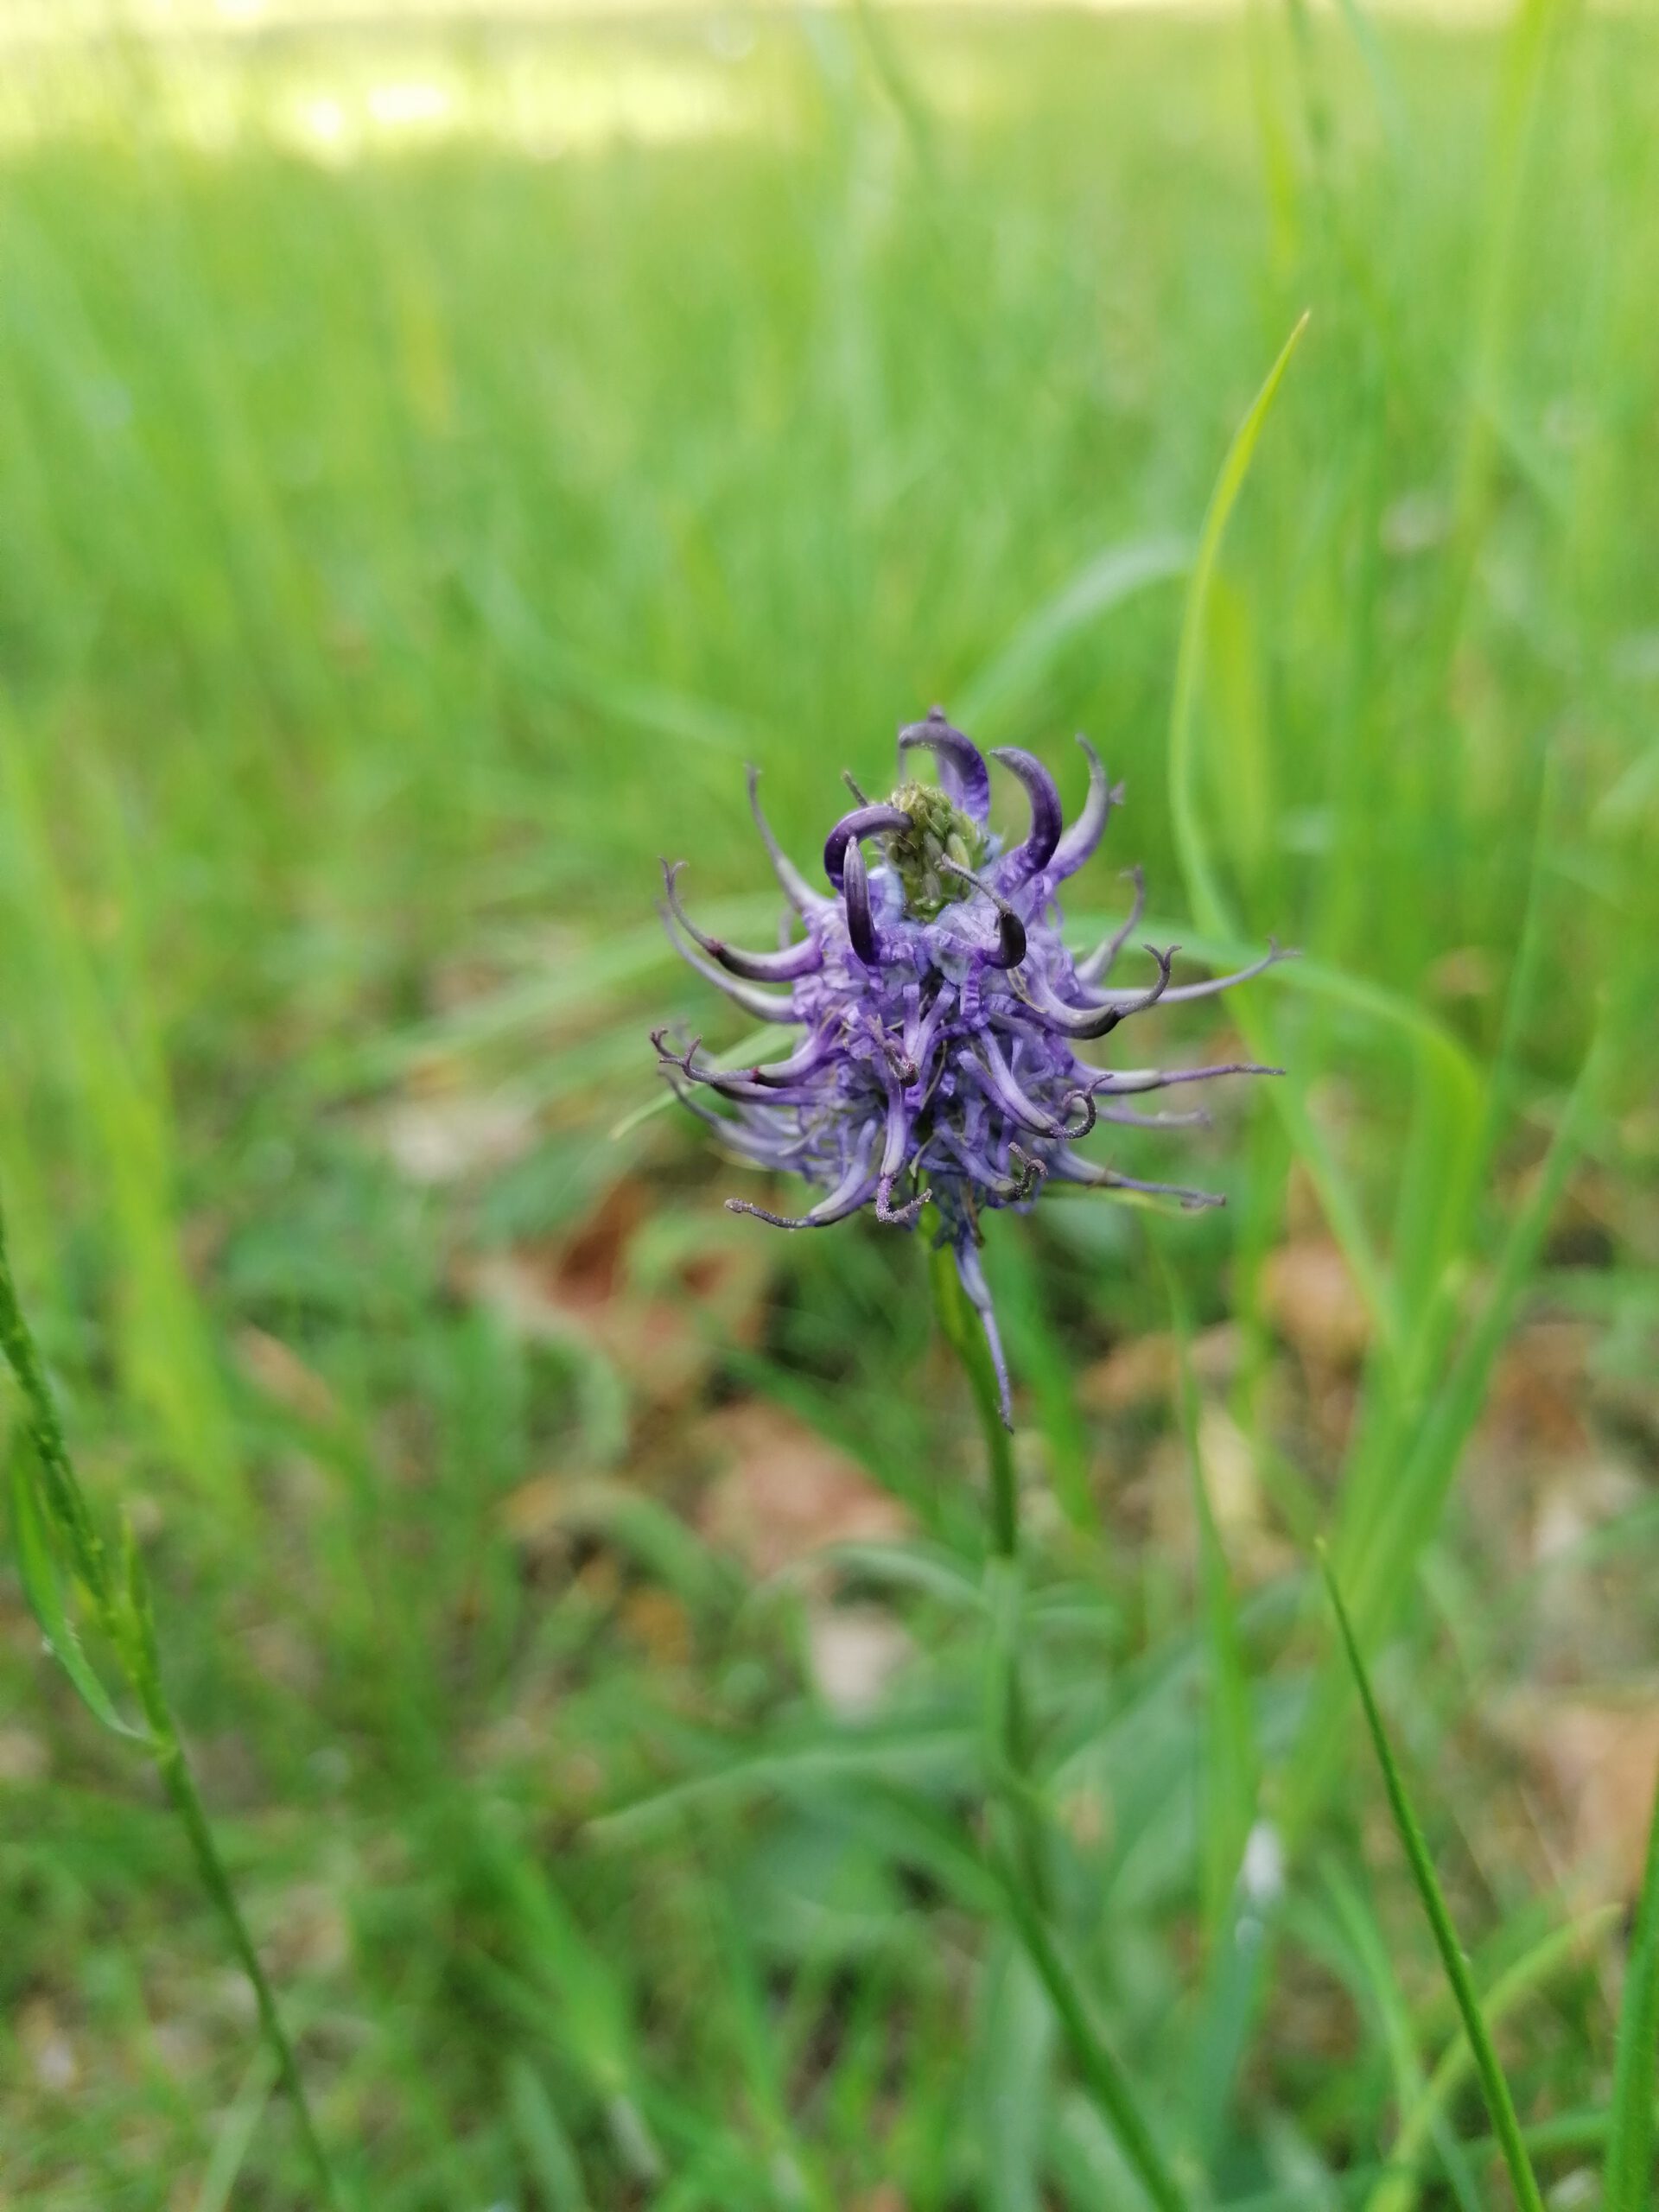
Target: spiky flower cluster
942,1011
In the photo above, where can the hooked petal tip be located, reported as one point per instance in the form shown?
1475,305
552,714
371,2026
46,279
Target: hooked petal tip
1011,933
1079,842
963,772
862,821
1046,817
793,884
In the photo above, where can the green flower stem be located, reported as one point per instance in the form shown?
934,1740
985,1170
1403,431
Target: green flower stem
1094,2062
1007,1732
122,1608
1021,1866
960,1328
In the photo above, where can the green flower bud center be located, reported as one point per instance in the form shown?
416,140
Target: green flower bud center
938,831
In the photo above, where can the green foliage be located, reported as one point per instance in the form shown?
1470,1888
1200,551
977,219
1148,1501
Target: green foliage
1499,2102
407,531
1629,2145
122,1611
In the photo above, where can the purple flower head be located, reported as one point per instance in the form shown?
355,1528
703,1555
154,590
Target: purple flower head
940,1011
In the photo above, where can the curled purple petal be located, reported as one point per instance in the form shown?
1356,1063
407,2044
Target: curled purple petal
764,1006
800,893
812,1053
862,821
802,959
855,891
1127,1117
1271,958
1005,1088
731,1084
1119,1082
755,1147
1079,842
1084,1100
1099,1021
1072,1168
1021,865
899,1125
963,772
1099,962
855,1189
1032,1173
902,1217
1011,938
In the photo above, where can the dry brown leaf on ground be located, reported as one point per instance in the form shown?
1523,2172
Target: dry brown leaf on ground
1600,1759
277,1371
783,1492
1540,1391
662,1339
1312,1301
1147,1369
1144,1371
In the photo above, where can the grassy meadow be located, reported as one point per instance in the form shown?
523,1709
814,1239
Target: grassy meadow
433,460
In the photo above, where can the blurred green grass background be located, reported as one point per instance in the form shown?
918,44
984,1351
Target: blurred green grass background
433,458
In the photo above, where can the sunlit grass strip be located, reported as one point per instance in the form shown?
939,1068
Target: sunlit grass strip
1209,906
1499,2103
121,1606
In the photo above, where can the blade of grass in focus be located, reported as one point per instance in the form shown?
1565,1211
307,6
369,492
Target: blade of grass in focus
122,1607
1423,2115
407,530
1630,2168
1494,2087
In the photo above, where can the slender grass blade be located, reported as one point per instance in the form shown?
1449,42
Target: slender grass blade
1499,2102
1629,2147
